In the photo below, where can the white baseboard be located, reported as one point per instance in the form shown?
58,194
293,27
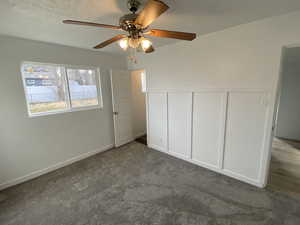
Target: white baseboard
217,170
158,148
53,167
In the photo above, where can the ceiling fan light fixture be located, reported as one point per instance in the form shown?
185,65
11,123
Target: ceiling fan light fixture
136,27
123,43
134,42
145,43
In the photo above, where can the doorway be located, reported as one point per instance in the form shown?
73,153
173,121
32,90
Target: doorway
139,89
129,106
285,159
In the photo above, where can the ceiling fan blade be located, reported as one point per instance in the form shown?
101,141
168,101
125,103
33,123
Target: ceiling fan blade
152,10
91,24
112,40
171,34
150,49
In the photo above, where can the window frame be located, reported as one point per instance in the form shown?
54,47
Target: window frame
67,91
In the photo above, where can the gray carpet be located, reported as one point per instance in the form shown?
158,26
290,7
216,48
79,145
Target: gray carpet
285,166
134,185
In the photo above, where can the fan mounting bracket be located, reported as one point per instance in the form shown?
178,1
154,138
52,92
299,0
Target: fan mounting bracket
133,5
127,23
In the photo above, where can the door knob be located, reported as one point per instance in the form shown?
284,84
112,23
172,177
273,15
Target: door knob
115,113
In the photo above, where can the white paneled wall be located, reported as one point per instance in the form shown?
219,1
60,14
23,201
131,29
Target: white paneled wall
157,121
222,130
209,113
179,123
245,134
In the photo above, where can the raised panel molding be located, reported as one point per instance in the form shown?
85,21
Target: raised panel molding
209,116
180,123
157,120
212,128
245,133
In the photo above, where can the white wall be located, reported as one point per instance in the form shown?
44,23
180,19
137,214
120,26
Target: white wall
30,146
138,104
243,58
288,121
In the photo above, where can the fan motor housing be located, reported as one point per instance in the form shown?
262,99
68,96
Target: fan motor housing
127,22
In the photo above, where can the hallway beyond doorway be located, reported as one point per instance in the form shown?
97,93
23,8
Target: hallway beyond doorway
285,166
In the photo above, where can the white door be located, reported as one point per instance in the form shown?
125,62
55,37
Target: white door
122,106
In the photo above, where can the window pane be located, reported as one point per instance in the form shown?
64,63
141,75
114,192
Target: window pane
45,88
143,80
83,88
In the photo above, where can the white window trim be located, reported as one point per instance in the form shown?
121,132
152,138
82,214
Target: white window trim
68,100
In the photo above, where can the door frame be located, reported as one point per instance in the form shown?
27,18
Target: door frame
277,96
113,110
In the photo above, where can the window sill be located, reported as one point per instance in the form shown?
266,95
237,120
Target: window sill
65,111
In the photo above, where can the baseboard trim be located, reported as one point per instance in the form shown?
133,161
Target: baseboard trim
217,170
49,169
158,148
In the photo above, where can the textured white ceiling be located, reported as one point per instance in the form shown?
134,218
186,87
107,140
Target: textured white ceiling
41,19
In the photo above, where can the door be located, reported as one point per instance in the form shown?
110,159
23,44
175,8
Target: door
122,106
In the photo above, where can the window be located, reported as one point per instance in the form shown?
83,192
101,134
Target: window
82,86
143,80
57,88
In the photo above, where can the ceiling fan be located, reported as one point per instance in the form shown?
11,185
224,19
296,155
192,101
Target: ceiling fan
137,27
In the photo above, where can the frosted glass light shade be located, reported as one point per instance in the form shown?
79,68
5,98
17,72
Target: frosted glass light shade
145,43
124,43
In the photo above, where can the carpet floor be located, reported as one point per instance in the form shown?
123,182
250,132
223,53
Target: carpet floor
134,185
285,166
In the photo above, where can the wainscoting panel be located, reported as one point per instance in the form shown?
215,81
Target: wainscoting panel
221,130
245,133
209,112
157,121
180,123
